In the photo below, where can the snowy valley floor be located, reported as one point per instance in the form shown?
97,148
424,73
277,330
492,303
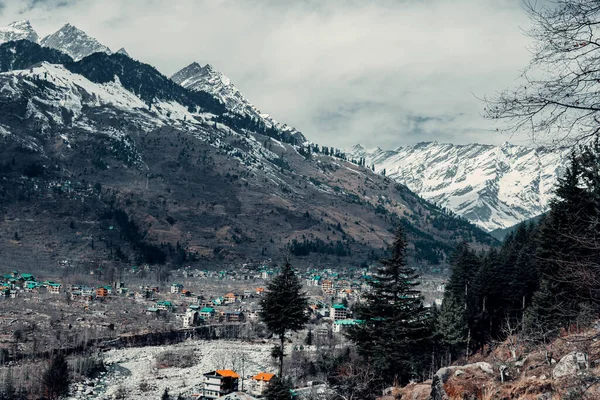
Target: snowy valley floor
133,373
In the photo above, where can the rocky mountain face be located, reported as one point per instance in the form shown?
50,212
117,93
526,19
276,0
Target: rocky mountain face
105,160
68,39
494,187
18,30
73,42
206,79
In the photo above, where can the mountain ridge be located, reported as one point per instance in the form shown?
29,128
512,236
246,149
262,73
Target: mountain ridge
493,186
180,180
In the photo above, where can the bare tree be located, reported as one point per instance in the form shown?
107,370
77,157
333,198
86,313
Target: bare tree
557,100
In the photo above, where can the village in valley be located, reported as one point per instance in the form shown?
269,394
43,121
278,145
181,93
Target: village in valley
197,304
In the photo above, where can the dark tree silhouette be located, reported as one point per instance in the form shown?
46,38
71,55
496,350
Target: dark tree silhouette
56,378
394,324
284,308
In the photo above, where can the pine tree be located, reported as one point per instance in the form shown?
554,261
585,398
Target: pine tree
309,338
8,391
165,395
465,264
278,389
559,251
451,327
56,378
394,324
284,308
543,316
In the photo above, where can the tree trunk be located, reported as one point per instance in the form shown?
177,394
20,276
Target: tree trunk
282,338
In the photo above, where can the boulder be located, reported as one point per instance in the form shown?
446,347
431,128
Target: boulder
441,376
570,365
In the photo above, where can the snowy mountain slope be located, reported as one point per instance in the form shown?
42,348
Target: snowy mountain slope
207,79
74,42
18,30
110,133
492,186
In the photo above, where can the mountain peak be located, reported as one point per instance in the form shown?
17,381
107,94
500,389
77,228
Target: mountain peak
123,51
186,73
18,30
73,41
207,79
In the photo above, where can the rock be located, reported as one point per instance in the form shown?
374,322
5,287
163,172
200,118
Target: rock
441,376
521,362
570,365
485,367
459,372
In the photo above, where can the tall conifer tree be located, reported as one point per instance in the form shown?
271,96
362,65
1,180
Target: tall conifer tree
284,308
56,378
394,326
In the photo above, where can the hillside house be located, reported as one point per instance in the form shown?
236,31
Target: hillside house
32,286
190,319
233,316
343,324
87,290
259,382
327,286
27,277
219,383
230,298
164,305
260,291
101,292
152,311
207,313
338,311
313,281
266,274
176,288
53,287
218,301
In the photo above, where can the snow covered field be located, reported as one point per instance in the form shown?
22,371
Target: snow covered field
133,372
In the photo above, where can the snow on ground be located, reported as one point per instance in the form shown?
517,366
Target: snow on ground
132,370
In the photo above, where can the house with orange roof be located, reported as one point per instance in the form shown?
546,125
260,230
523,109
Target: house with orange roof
219,383
229,298
259,382
260,291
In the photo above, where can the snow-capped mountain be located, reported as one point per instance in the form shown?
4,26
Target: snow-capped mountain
491,186
18,30
74,42
111,124
207,79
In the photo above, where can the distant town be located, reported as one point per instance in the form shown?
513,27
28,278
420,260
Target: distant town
191,300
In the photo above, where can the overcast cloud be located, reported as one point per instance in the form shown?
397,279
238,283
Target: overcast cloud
382,73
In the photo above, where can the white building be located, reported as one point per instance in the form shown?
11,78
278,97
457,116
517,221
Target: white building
338,311
259,382
219,383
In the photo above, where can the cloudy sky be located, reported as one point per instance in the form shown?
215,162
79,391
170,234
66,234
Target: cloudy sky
382,73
